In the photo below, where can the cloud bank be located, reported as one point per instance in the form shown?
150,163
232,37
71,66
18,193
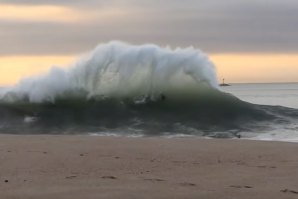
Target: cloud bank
214,26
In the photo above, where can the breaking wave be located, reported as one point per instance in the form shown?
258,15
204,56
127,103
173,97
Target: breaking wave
126,89
119,70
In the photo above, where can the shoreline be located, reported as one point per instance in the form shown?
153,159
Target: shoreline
76,166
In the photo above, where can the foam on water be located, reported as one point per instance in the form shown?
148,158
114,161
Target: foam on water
121,70
277,133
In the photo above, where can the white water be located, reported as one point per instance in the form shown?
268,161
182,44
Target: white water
118,69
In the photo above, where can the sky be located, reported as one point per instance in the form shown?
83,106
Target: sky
248,40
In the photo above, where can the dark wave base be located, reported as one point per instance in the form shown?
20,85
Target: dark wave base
208,114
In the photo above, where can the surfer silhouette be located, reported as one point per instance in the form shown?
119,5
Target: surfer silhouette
163,97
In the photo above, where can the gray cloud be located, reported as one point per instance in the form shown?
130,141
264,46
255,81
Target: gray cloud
214,26
70,3
46,2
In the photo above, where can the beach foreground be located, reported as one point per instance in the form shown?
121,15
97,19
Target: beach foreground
77,167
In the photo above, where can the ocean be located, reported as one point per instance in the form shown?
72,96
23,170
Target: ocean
272,94
125,90
276,94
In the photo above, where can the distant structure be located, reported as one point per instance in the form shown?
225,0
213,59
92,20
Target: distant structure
223,83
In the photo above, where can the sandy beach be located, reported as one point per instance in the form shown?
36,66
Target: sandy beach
77,167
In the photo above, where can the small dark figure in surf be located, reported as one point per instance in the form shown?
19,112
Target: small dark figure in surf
162,97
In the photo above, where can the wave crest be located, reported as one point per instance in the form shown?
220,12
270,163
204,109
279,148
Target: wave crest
120,70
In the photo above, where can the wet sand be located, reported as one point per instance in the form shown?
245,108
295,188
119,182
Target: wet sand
77,167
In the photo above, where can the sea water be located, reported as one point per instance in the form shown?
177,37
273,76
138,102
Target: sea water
277,94
147,90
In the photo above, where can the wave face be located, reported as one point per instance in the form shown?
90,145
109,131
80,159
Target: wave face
140,90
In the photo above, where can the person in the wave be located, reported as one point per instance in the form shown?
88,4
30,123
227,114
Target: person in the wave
148,98
162,97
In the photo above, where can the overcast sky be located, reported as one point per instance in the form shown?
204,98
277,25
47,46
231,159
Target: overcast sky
44,27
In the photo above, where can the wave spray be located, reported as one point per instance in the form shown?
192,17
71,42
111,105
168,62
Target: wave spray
120,70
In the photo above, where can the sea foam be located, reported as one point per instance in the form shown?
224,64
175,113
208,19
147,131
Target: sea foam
121,70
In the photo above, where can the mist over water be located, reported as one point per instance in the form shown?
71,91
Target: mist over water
125,89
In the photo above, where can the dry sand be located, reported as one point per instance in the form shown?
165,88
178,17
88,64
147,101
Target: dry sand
83,167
